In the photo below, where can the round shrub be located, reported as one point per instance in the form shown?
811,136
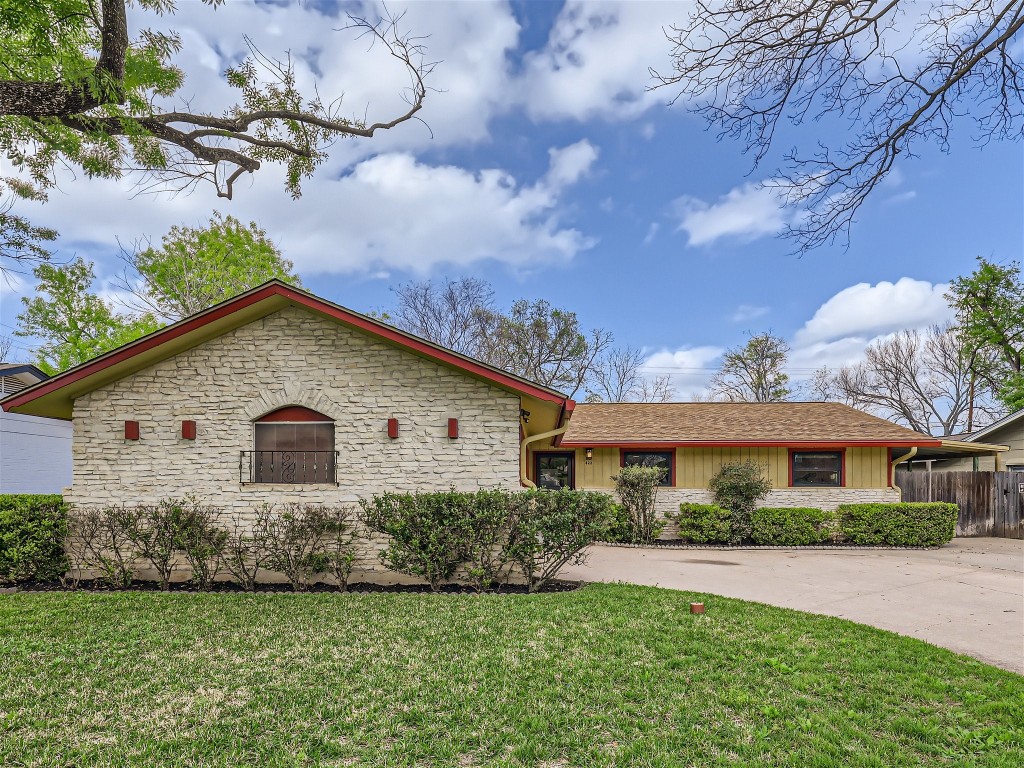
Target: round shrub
32,531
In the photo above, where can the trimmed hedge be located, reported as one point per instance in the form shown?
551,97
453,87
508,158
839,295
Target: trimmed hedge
32,531
703,523
921,524
791,526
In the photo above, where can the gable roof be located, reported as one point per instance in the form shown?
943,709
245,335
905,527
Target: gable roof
733,424
995,426
55,396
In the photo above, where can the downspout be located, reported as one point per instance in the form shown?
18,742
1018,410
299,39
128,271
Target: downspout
527,482
912,454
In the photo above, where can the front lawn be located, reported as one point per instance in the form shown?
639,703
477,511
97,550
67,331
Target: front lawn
607,675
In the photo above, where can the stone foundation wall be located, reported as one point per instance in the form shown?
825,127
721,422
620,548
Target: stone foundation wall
669,499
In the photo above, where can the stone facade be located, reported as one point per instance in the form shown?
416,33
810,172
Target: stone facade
292,357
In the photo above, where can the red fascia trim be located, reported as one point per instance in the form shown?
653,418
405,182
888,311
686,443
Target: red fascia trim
276,289
671,463
294,413
834,445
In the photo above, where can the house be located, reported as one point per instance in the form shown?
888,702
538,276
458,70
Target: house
1005,437
35,453
277,395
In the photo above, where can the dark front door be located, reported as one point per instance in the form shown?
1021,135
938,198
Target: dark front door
554,470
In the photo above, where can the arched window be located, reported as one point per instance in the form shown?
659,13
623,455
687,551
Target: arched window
293,445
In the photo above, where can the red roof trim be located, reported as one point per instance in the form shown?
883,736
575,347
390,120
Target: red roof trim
753,444
257,295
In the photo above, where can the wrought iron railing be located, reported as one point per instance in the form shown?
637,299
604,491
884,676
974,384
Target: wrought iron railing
288,467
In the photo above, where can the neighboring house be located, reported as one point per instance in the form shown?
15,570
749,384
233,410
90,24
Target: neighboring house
1008,432
816,454
277,395
35,453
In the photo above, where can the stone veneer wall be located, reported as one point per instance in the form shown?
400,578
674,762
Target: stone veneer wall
669,499
292,357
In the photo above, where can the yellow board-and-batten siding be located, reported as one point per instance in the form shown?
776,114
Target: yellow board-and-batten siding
865,467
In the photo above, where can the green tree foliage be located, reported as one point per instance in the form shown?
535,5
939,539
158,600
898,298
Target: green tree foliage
990,312
74,323
753,373
81,86
196,267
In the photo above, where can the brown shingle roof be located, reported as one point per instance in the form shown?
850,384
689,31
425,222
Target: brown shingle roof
595,423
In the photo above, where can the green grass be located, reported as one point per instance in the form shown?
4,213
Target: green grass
607,675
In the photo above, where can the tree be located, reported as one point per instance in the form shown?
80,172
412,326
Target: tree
753,373
990,311
196,267
544,344
899,82
20,241
6,342
455,314
619,378
80,91
920,379
74,323
534,339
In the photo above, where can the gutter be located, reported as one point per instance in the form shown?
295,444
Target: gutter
527,482
912,454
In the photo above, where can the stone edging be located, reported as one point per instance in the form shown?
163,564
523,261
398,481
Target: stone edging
759,548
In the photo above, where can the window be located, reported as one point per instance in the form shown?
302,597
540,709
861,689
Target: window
293,445
816,469
662,459
1015,467
555,470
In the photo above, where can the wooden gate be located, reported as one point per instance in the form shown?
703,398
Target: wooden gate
991,503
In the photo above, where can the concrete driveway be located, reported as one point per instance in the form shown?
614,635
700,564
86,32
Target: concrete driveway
967,596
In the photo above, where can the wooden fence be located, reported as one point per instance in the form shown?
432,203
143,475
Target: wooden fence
991,503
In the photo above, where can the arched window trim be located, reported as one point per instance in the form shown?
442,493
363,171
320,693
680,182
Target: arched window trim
294,414
293,463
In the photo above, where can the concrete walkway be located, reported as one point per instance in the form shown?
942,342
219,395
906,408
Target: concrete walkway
967,596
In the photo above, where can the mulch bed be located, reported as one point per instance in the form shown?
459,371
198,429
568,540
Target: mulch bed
97,585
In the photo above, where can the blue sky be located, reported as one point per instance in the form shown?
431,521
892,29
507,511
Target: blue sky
552,173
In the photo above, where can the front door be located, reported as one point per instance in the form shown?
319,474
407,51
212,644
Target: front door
554,470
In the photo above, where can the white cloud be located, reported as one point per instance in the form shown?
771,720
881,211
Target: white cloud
652,232
868,310
689,367
749,312
746,213
390,212
571,163
596,61
845,325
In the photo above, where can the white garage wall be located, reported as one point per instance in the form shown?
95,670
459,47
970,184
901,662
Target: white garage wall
35,454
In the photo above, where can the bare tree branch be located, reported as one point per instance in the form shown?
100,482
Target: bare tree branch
899,81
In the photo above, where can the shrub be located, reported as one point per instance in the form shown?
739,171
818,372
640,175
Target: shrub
245,552
703,523
791,526
739,487
637,489
99,540
428,532
339,551
619,531
294,539
156,532
202,541
32,532
925,524
551,528
487,533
